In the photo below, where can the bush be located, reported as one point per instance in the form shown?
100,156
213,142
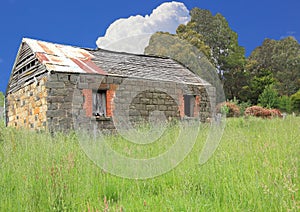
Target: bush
259,111
269,97
1,99
243,106
295,98
231,109
285,104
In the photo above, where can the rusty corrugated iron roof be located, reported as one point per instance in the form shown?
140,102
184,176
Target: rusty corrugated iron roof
63,58
69,59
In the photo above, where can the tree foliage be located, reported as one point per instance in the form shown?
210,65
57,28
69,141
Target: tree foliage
269,97
285,103
225,52
275,63
282,59
194,38
257,81
296,101
213,37
167,45
1,99
172,46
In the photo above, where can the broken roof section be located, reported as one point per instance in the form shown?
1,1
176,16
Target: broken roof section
69,59
63,58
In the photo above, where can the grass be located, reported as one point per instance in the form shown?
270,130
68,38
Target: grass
255,168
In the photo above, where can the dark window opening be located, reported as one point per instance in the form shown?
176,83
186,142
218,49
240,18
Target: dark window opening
189,104
99,103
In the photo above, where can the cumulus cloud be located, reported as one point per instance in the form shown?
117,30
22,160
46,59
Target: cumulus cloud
132,34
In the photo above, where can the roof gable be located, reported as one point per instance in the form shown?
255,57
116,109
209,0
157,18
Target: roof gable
24,69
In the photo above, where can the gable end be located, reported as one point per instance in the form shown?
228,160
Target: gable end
26,70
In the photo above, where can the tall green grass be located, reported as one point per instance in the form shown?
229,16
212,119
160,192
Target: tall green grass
255,168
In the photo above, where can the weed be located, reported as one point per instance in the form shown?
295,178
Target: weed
255,168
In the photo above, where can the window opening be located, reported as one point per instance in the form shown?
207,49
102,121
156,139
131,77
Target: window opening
189,104
99,103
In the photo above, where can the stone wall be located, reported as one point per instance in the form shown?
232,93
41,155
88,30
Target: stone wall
148,101
132,101
137,99
26,107
82,102
70,101
63,101
60,89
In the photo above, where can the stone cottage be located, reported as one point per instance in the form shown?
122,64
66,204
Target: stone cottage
52,86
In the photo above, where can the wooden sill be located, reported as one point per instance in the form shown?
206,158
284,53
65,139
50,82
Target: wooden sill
101,118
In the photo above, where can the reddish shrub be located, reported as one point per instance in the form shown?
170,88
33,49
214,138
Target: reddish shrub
276,113
262,112
254,111
233,109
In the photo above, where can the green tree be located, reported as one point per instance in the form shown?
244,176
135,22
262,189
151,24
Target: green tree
167,45
194,38
282,59
215,39
296,101
285,103
172,46
225,53
269,97
257,80
1,99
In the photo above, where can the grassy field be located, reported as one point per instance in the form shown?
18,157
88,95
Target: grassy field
255,168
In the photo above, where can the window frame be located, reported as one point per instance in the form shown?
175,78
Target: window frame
99,99
189,105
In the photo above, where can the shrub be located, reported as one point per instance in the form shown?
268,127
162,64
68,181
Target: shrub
276,113
243,106
269,97
285,104
1,99
231,109
295,98
259,111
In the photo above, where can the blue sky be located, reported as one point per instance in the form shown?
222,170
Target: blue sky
81,23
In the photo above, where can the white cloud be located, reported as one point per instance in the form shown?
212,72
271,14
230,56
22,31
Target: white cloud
132,34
